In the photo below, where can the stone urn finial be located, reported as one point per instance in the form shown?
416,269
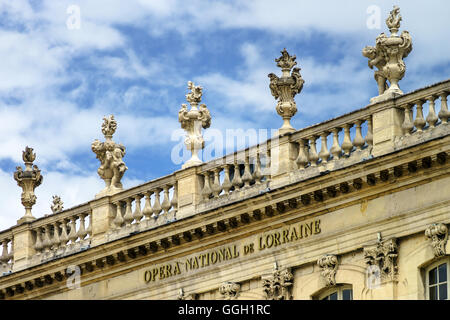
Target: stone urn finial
387,56
284,89
192,122
110,154
28,180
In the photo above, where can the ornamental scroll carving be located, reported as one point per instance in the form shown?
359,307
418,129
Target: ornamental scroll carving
28,180
328,264
110,154
229,290
438,235
383,255
192,122
387,56
278,284
284,89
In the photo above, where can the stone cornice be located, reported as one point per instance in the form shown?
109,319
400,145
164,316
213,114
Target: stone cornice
312,196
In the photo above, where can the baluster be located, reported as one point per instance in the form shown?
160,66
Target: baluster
407,125
174,201
226,184
118,220
257,172
89,229
128,217
11,250
444,114
247,176
147,212
137,214
432,118
302,159
46,242
64,237
216,188
38,245
336,150
324,153
237,181
165,205
358,142
419,122
82,230
206,191
268,162
56,241
313,156
4,258
369,135
347,144
157,205
72,234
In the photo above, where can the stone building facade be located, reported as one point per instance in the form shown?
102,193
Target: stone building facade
356,207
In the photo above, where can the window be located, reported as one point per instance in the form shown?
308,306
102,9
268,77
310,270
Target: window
342,292
437,276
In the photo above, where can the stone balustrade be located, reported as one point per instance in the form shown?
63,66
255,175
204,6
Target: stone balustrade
62,233
375,130
7,252
420,123
235,172
145,206
310,156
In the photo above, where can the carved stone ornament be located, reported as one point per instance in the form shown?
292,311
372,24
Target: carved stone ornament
278,284
183,296
383,255
28,180
230,290
192,122
57,204
387,56
438,235
285,88
329,264
110,154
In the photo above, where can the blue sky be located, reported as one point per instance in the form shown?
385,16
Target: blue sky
134,58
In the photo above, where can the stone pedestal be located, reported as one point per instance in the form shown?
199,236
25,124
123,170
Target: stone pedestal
387,124
23,246
188,191
102,213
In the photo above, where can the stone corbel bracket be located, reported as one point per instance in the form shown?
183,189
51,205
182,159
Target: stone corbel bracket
278,284
438,234
183,296
328,264
229,290
383,255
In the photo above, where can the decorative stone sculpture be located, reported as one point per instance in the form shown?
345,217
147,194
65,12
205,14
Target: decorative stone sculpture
192,121
438,235
183,296
57,204
110,154
384,256
229,290
285,88
387,56
28,180
328,263
277,285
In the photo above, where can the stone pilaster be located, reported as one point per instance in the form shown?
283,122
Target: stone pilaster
23,246
189,191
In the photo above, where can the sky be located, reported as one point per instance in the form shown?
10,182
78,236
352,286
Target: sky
64,65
